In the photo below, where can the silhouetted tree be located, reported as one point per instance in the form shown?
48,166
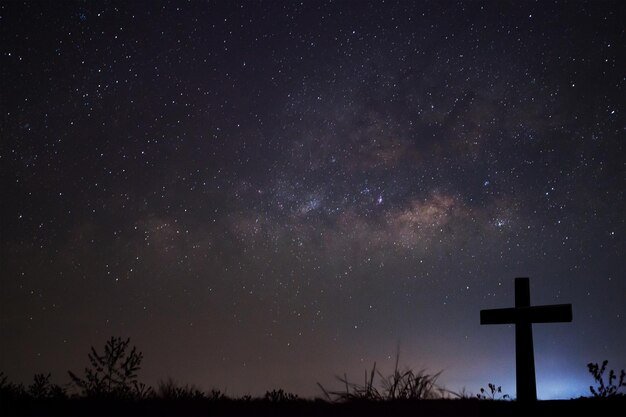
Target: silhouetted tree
113,373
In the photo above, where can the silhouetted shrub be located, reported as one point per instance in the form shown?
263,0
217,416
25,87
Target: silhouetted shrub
141,391
494,393
216,395
42,388
279,396
602,390
10,391
113,373
169,389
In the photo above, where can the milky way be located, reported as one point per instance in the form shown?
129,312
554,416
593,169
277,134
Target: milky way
267,194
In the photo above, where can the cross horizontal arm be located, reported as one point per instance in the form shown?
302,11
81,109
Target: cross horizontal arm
535,314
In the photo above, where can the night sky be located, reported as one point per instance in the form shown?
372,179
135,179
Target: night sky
264,195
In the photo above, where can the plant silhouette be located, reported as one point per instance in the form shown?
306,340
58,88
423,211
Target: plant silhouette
10,390
42,388
110,387
279,396
113,373
400,385
494,393
170,390
604,390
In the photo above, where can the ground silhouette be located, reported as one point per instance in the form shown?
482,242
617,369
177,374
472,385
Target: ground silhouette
110,385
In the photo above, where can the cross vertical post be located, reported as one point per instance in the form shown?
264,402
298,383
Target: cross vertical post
524,351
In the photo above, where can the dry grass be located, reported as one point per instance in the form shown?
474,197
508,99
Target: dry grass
404,384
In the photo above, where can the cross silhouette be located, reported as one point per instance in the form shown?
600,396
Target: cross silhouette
523,316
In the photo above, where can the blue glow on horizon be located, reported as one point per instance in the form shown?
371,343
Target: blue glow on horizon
562,388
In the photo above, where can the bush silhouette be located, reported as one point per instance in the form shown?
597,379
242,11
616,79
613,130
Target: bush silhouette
494,393
602,390
11,391
113,373
279,396
42,388
169,389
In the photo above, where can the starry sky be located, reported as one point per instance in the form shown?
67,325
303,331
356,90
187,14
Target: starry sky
267,194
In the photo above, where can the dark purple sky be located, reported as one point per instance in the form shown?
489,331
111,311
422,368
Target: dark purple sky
267,194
